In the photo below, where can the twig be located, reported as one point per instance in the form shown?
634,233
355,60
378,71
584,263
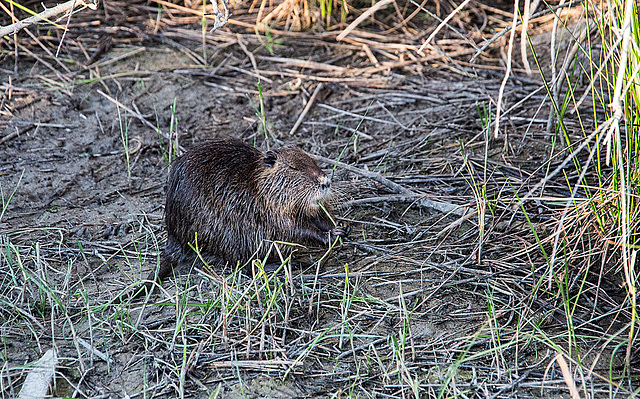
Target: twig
17,133
44,15
372,57
420,7
248,53
46,50
254,74
524,36
442,25
382,198
37,382
292,62
398,189
306,109
62,77
66,28
114,59
134,113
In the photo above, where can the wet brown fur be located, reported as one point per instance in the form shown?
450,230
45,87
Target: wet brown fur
238,200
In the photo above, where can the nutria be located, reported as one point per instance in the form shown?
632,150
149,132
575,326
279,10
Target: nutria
239,200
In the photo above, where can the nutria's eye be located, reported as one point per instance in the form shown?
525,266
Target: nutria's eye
270,158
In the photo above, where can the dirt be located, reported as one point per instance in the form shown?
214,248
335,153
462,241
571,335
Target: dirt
76,203
85,225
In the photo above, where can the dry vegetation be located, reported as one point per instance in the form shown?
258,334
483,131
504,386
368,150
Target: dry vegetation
492,253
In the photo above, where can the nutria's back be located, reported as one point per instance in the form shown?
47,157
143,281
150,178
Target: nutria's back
239,199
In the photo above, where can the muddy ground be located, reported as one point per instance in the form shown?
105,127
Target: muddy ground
395,311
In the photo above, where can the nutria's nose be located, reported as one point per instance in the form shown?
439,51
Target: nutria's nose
325,182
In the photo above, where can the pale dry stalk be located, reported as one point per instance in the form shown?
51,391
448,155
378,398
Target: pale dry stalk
45,15
508,71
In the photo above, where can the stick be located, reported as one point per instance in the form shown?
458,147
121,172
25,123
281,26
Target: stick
248,53
138,115
398,189
442,24
17,133
306,109
524,36
44,15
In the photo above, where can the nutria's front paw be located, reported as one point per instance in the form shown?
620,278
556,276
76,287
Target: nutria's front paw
340,231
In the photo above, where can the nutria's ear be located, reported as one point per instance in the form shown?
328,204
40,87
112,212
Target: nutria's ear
270,158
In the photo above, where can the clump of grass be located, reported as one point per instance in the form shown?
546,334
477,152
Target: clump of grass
595,232
614,153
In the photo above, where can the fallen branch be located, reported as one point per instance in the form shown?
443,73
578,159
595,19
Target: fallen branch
44,16
440,26
444,207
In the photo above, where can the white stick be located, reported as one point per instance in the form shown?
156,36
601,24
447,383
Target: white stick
306,109
44,15
442,24
39,378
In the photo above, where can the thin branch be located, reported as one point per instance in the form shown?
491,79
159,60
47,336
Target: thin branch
441,25
44,15
444,207
523,36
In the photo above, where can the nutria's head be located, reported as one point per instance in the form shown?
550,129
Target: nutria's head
293,183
